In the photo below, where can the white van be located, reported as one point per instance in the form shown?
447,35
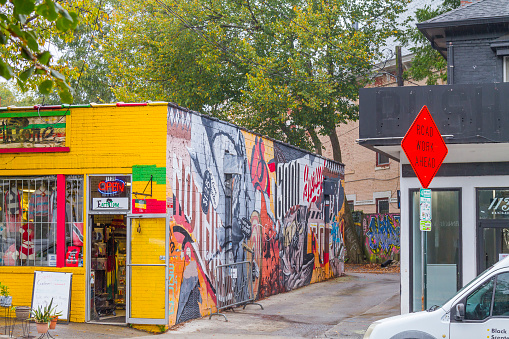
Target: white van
479,310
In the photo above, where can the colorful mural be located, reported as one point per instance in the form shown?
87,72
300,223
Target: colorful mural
236,196
382,233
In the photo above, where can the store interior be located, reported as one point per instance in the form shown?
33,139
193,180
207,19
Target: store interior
108,268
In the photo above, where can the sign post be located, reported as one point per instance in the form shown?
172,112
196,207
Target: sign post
426,150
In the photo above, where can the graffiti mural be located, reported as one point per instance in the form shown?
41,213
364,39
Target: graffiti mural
382,232
235,196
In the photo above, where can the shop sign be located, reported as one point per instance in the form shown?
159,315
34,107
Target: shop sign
425,209
499,206
110,204
424,147
33,132
111,186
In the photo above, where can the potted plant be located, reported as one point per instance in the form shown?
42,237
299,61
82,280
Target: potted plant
54,317
42,318
5,298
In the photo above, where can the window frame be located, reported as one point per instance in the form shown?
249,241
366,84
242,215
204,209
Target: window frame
378,200
380,163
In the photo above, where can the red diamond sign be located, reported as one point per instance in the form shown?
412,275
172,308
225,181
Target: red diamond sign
424,147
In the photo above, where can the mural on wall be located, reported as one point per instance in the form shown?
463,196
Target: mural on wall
236,196
382,232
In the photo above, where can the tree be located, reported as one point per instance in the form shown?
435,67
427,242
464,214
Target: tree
25,25
288,69
428,63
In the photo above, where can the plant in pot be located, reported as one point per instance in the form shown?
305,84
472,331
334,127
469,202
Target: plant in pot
22,312
54,316
42,318
5,298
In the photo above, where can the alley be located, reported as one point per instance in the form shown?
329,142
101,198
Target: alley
339,308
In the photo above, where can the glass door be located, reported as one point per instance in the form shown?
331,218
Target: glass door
494,244
147,269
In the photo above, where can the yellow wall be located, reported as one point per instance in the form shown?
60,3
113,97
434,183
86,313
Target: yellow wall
102,140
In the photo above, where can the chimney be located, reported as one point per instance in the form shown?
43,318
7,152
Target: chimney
467,2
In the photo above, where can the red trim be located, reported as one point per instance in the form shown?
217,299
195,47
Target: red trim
122,104
35,150
61,220
40,107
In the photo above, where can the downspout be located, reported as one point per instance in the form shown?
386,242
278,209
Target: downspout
450,64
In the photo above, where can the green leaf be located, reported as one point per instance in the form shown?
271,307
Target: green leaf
40,71
63,12
63,24
21,85
75,19
16,30
2,2
45,87
5,70
31,41
3,39
22,18
26,54
47,10
23,6
57,75
26,74
65,97
44,57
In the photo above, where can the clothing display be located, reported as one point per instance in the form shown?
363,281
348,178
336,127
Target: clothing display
26,250
12,208
38,204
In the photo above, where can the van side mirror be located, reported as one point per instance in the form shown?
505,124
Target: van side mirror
460,312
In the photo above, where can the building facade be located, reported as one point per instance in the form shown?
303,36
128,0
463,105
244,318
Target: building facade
468,192
143,203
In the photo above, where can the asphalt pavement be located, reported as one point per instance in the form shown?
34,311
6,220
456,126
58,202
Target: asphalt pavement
338,308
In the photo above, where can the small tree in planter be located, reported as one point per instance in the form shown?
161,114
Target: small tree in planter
5,298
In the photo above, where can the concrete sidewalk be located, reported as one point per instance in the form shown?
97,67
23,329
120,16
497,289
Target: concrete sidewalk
338,308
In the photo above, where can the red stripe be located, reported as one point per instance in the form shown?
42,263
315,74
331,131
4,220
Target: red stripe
122,104
35,150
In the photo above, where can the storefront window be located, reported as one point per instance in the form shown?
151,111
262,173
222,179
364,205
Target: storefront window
493,203
443,248
28,219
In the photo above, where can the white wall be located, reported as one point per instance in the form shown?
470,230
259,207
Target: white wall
468,186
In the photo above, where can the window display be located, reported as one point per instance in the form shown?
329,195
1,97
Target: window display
28,220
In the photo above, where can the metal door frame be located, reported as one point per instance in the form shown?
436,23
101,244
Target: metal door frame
497,225
147,321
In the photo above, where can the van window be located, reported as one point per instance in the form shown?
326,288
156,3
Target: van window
478,306
501,302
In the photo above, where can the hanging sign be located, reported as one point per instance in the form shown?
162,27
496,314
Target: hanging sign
424,147
425,209
22,132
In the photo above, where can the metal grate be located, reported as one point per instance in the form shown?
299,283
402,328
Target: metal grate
28,218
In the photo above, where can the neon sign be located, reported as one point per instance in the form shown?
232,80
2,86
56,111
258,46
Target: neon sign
111,187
